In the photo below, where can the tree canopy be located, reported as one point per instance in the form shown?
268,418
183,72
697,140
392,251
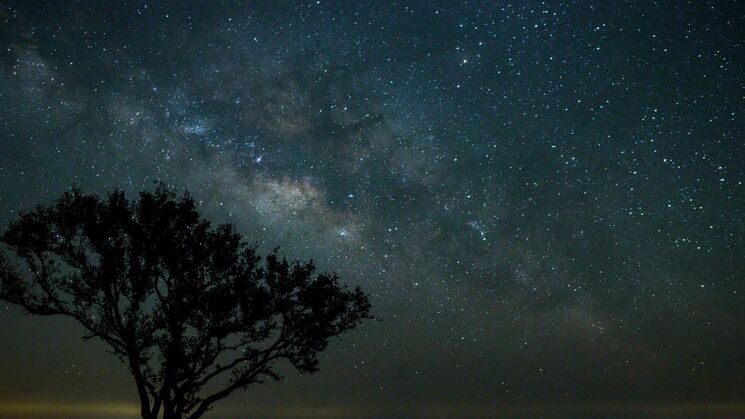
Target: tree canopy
191,308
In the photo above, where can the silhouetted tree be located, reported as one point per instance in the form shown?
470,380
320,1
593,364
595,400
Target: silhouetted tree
191,309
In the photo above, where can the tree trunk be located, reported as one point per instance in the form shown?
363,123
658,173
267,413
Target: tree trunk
170,413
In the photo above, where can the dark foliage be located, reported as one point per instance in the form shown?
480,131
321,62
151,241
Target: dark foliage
187,306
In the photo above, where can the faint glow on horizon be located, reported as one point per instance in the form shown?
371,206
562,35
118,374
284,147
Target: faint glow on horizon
58,410
41,409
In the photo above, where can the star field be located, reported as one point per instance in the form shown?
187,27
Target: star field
545,200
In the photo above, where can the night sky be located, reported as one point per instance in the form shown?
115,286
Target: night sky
545,201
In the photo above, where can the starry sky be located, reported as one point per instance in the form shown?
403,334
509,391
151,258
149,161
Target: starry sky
544,200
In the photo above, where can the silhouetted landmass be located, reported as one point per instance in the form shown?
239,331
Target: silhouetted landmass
182,303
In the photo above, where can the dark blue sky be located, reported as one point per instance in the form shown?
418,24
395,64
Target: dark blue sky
545,200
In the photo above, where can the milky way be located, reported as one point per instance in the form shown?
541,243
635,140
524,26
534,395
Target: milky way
545,201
